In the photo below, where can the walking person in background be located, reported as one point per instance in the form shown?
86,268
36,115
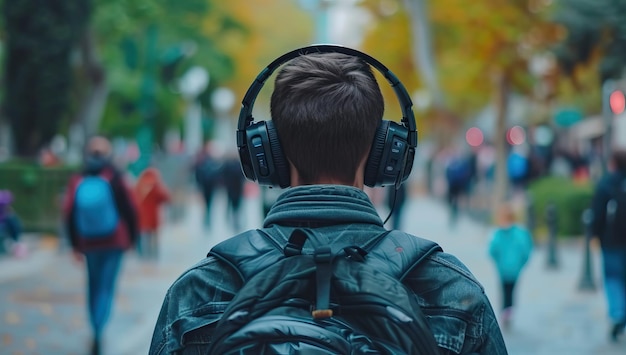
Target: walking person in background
459,174
510,247
609,225
151,194
100,216
208,172
234,182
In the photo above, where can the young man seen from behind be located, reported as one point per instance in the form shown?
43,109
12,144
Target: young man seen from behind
327,113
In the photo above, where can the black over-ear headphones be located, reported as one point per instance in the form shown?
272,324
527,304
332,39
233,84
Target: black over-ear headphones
390,159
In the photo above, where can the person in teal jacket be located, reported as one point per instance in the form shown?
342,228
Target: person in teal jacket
510,247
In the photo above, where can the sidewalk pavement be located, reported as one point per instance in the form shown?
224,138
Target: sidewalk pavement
42,305
552,315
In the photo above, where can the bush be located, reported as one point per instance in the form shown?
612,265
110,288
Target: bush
570,199
37,193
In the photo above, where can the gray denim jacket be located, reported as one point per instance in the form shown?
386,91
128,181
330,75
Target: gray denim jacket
456,307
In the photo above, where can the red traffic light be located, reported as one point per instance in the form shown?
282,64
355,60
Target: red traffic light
617,102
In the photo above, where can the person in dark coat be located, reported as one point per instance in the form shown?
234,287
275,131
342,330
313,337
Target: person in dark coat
327,109
609,225
208,173
234,181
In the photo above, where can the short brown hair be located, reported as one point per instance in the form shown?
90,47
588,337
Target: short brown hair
326,108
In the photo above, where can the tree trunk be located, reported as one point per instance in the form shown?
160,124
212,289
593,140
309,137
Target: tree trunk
422,48
501,96
94,101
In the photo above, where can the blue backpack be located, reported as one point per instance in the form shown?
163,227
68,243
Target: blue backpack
517,166
96,214
459,171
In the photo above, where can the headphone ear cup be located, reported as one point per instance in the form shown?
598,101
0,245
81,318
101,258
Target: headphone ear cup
376,154
281,165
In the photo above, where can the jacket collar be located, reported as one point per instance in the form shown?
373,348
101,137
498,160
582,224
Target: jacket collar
322,205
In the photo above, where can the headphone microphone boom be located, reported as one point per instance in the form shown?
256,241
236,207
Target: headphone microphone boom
391,156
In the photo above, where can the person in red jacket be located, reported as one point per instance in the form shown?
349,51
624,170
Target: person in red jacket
151,193
102,254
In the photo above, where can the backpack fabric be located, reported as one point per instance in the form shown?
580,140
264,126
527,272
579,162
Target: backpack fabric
96,214
341,299
459,171
517,166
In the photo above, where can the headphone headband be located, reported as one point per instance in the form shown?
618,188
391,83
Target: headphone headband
245,114
389,161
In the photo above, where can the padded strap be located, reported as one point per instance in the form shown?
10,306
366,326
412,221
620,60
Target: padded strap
248,252
399,253
323,273
396,252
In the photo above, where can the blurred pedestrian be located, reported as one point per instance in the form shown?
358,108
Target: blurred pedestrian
151,194
100,216
208,173
10,227
518,168
510,247
234,182
609,225
459,174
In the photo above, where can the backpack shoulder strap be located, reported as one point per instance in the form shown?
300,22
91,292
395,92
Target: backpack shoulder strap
399,252
396,252
242,252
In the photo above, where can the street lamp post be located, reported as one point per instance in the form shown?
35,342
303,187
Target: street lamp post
552,222
222,101
191,85
586,281
608,86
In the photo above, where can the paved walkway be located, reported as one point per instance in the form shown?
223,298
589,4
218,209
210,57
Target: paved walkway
42,297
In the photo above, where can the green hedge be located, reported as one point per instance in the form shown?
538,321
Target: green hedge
570,199
37,193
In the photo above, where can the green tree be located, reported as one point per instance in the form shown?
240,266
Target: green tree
147,45
40,37
596,33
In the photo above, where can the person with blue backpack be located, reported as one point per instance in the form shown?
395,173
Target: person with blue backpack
323,275
101,220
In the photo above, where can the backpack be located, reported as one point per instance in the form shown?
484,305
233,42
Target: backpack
517,166
616,211
208,172
338,300
458,171
96,215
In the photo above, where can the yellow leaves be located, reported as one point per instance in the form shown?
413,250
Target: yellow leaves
473,38
272,28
